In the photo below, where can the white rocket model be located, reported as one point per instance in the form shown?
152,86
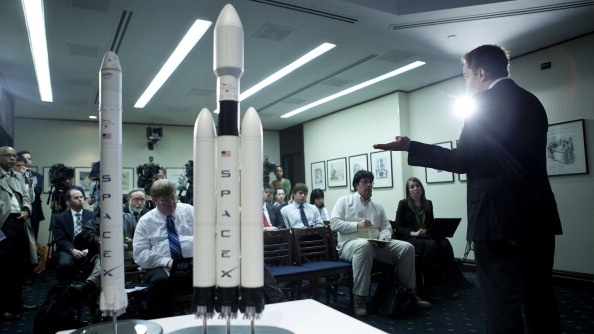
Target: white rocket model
217,198
113,299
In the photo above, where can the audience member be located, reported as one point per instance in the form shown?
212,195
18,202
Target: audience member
414,218
317,199
67,225
19,167
163,234
17,239
272,219
512,213
58,199
37,215
136,199
280,182
300,214
356,216
279,197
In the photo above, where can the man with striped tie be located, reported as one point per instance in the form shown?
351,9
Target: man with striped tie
162,235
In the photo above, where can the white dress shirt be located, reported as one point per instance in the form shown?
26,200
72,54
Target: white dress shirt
292,215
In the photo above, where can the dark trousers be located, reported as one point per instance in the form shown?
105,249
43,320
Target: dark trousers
517,287
67,267
160,291
13,256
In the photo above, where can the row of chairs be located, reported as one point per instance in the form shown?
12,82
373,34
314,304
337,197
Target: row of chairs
306,254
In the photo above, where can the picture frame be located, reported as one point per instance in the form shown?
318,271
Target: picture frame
46,179
357,163
336,173
177,176
439,176
566,149
127,179
461,177
381,167
318,175
81,178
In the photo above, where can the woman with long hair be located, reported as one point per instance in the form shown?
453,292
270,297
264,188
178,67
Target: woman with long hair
317,198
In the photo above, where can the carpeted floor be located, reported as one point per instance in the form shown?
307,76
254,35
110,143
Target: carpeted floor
463,315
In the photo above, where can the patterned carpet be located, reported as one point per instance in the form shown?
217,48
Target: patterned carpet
463,315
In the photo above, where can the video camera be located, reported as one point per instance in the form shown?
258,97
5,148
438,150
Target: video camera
95,171
269,167
59,176
146,173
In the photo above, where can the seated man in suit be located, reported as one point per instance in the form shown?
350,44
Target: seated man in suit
299,214
67,225
136,201
163,234
272,217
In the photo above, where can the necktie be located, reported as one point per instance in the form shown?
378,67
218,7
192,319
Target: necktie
303,217
174,245
78,226
266,223
136,216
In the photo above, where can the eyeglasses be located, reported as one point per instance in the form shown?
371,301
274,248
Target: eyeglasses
138,199
167,201
9,155
366,182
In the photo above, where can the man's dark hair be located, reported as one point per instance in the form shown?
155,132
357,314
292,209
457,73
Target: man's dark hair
361,174
300,187
21,152
493,59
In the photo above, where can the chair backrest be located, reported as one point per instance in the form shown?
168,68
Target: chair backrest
332,251
311,244
278,248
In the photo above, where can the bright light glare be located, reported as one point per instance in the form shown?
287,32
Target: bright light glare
181,51
287,69
355,88
464,106
35,19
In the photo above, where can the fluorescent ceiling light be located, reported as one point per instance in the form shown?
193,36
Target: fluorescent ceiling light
35,19
287,69
355,88
181,51
311,55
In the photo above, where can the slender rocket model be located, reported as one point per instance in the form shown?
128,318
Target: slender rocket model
113,299
220,198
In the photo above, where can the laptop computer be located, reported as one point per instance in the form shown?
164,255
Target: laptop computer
182,267
444,227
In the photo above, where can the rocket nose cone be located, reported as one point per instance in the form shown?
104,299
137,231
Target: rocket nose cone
251,124
228,17
111,60
204,126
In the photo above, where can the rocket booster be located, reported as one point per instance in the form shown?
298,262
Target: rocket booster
228,67
113,300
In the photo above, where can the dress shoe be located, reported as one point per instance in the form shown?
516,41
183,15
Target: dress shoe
421,303
26,307
83,289
10,316
360,308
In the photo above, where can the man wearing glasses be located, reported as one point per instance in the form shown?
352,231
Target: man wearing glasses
355,217
136,200
163,234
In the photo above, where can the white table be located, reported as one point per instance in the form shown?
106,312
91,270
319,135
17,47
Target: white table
301,317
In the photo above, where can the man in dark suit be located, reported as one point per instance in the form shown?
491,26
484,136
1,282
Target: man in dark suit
37,179
272,220
512,213
136,200
67,225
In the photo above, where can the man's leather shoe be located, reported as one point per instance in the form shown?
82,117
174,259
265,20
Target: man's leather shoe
26,307
84,288
10,316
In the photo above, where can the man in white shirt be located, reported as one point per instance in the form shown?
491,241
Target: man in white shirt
163,234
356,216
300,214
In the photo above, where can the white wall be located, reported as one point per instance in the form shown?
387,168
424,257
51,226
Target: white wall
76,144
566,90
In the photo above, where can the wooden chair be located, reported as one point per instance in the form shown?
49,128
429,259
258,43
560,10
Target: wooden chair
313,250
278,257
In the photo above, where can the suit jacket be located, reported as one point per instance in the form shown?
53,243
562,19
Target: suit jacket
142,212
13,182
406,220
64,228
276,219
502,148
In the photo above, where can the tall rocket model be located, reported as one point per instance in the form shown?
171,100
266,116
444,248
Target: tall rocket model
113,299
222,232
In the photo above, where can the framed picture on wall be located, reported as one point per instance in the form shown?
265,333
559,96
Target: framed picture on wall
438,175
46,179
127,179
356,163
177,176
381,167
461,177
337,173
318,175
81,178
566,149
